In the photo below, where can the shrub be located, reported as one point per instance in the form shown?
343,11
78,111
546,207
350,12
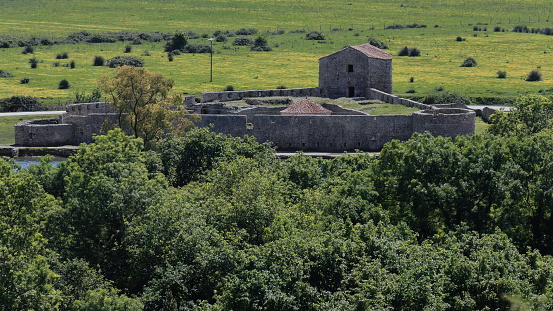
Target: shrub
98,61
56,64
403,52
445,98
197,48
221,38
127,49
5,74
459,39
229,88
19,103
242,41
72,64
64,84
82,97
281,87
175,52
246,31
177,42
28,50
119,61
260,45
501,74
412,79
315,35
137,41
497,29
534,75
414,52
378,43
469,62
34,62
63,55
170,56
24,80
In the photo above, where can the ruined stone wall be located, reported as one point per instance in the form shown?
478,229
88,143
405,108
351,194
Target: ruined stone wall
449,122
331,133
78,125
238,95
42,134
393,99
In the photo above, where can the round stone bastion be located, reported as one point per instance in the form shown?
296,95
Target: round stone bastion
447,122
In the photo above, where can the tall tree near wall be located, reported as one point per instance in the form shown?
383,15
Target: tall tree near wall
145,103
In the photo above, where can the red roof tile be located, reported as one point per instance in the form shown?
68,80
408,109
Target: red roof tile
305,106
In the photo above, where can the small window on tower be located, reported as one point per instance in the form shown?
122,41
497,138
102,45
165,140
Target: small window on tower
350,68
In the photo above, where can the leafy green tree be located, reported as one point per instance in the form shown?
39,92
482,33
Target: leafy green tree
177,42
145,105
529,114
107,185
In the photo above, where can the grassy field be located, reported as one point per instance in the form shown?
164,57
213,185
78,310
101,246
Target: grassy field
7,135
294,60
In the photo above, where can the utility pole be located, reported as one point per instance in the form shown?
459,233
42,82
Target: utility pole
211,60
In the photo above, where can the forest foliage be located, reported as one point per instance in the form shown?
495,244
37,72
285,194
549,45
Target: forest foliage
212,222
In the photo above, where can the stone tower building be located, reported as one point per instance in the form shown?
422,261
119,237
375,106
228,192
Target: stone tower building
353,70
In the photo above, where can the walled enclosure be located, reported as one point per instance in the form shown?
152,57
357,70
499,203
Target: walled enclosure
357,71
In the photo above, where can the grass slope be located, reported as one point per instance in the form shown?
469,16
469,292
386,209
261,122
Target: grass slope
7,134
293,61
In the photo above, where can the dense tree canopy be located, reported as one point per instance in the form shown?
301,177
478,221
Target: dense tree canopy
212,222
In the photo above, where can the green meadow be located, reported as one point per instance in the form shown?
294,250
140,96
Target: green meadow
294,60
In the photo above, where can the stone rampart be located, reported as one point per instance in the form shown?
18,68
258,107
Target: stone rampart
43,134
447,122
393,99
238,95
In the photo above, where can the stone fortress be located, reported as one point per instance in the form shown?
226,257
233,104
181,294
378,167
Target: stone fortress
362,71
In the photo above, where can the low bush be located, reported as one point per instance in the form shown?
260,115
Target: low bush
63,85
72,64
19,103
412,79
405,51
34,62
229,88
98,61
315,35
469,62
260,45
221,38
197,48
459,39
281,87
56,64
82,97
534,75
24,80
242,41
5,74
28,50
378,43
63,55
119,61
246,31
170,56
501,74
441,98
414,52
127,49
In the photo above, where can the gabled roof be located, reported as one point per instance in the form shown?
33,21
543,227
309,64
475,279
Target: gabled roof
305,106
368,50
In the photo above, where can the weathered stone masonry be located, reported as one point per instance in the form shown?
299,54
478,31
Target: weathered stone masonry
358,71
